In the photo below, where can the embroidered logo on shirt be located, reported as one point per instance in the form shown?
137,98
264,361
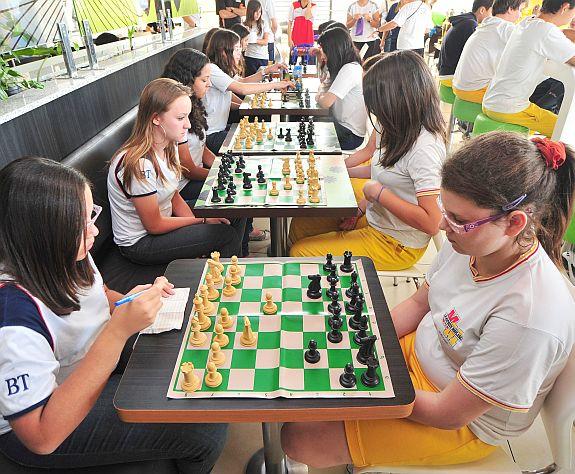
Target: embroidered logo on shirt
17,384
452,333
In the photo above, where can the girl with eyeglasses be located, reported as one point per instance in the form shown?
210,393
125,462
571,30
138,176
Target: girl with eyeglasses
487,335
152,224
61,335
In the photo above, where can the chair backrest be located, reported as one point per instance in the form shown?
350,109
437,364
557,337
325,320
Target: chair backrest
558,412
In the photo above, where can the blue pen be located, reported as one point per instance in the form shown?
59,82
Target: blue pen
128,298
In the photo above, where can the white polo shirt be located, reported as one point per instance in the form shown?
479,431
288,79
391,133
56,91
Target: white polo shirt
218,100
349,108
520,68
368,31
416,174
414,19
255,50
126,223
268,12
39,348
506,338
481,54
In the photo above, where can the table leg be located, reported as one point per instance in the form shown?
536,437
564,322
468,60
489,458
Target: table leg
279,236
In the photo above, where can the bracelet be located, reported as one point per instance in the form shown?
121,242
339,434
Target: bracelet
379,194
360,211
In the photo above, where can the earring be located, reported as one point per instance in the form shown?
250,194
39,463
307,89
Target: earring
163,130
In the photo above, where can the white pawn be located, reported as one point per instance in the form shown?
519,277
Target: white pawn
270,307
221,338
213,377
197,338
235,275
204,321
225,320
213,294
228,290
216,355
207,304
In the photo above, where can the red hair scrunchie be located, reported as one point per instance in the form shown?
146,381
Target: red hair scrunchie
553,152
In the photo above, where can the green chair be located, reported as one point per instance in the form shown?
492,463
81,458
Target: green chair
569,250
466,111
483,124
446,94
438,18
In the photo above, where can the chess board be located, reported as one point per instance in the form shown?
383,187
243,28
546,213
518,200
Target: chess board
259,195
276,367
289,101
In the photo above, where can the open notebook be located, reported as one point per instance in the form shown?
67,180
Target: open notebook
171,315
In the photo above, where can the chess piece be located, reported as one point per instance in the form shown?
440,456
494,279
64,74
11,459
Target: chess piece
247,181
191,381
370,378
346,266
215,196
332,292
312,356
348,379
270,307
228,290
300,201
259,137
287,184
353,283
286,167
314,196
234,273
215,256
197,338
248,338
334,306
288,136
208,306
314,287
249,143
213,377
229,198
213,294
299,179
274,190
270,135
216,355
225,320
217,275
204,321
281,134
355,321
359,335
335,336
328,266
221,338
366,349
237,144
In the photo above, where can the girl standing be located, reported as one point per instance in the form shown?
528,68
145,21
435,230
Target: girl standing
257,50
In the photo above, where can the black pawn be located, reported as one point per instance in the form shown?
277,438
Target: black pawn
231,189
334,306
370,378
312,354
359,335
335,336
332,318
215,195
238,169
329,266
353,284
288,135
351,304
281,134
346,266
220,186
229,198
359,303
247,181
332,291
355,321
314,287
366,349
348,379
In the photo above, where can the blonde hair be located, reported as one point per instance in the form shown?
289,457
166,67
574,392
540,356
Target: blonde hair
156,98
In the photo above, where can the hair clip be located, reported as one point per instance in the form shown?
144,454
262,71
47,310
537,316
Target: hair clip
514,204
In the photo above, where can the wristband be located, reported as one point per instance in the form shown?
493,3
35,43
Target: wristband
379,194
360,211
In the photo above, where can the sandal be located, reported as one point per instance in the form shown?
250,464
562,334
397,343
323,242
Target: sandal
258,235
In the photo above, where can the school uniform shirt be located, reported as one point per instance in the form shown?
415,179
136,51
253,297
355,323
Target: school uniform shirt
218,100
482,53
520,68
416,174
362,31
196,147
506,338
349,107
413,19
462,27
302,28
255,50
39,348
268,12
126,223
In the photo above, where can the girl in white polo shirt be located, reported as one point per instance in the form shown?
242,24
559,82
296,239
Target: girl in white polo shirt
152,224
60,341
343,91
256,54
363,17
413,19
487,335
396,224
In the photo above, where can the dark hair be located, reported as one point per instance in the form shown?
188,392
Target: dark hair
339,50
208,37
42,224
185,66
106,38
495,169
502,6
252,8
487,4
240,30
367,63
401,93
553,6
221,51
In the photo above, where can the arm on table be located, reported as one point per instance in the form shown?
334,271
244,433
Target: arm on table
190,170
363,155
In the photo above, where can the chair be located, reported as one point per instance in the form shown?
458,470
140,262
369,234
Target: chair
466,111
447,96
484,124
417,271
569,251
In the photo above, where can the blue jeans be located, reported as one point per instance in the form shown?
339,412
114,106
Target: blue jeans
253,65
102,439
347,139
272,51
215,141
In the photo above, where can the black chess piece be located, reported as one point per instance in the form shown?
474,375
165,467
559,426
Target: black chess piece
238,169
247,181
359,301
229,198
312,354
301,104
242,161
355,320
350,305
370,378
334,306
260,172
332,292
359,335
309,140
335,336
348,379
220,185
366,349
314,287
231,188
288,135
346,266
329,266
333,277
307,103
215,196
332,318
281,134
353,283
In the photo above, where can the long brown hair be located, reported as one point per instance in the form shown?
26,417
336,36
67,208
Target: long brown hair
208,38
400,92
495,169
42,224
220,51
156,98
250,21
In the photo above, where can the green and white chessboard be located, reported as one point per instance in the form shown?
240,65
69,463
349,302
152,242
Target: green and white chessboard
276,367
259,195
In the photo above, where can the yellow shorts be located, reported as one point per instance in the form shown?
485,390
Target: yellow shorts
407,443
470,96
533,117
446,82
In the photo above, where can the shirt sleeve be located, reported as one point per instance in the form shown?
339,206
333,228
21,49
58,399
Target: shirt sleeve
424,167
346,80
557,46
219,79
403,14
291,13
510,363
147,183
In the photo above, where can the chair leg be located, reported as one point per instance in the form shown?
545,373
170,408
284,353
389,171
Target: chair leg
450,127
416,282
395,281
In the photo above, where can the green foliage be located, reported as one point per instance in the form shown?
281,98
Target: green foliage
10,78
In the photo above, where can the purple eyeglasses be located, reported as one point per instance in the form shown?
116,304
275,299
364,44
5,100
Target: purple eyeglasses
463,228
96,210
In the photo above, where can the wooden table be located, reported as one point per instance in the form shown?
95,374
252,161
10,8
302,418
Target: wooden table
338,190
141,395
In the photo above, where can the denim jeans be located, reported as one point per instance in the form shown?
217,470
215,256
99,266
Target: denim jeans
347,139
102,439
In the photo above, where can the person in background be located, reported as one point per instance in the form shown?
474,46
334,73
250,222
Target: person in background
243,33
208,37
230,12
269,16
363,19
300,23
462,27
256,54
389,37
414,19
